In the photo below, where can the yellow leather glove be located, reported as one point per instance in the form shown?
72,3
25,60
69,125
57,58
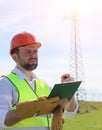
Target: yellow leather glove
29,108
57,120
63,102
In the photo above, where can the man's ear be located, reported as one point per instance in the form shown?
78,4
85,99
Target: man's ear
14,57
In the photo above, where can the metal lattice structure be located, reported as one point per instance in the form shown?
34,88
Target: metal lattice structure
76,63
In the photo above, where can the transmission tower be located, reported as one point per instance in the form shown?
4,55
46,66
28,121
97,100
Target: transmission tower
76,63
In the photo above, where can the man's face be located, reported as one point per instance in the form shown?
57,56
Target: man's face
28,57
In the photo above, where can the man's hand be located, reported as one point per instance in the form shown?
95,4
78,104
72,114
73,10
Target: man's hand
63,102
46,106
40,106
66,78
71,104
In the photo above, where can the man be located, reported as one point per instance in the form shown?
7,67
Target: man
23,96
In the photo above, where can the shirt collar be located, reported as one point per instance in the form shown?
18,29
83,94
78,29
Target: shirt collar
21,75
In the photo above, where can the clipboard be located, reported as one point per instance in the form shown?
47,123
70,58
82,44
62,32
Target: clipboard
65,90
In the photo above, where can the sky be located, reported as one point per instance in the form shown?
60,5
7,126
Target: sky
45,20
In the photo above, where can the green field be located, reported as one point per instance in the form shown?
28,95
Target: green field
90,120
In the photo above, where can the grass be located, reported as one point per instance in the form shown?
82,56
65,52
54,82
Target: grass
92,120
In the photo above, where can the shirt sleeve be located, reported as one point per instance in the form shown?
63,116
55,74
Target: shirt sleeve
3,113
71,114
5,100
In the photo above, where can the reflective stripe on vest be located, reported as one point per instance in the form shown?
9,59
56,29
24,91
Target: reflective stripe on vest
25,93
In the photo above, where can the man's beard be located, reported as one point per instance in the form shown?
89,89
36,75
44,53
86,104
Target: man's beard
29,67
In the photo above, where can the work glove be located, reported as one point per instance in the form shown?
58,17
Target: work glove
40,106
63,102
57,120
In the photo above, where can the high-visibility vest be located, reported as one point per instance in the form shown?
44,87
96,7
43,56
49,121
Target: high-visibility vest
25,92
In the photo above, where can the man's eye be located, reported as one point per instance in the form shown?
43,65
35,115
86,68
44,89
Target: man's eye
27,52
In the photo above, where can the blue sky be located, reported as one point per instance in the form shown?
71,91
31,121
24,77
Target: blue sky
44,18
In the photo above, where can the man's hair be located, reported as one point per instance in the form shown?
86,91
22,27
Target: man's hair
15,50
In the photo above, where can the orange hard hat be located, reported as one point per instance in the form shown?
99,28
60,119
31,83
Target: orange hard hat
22,39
